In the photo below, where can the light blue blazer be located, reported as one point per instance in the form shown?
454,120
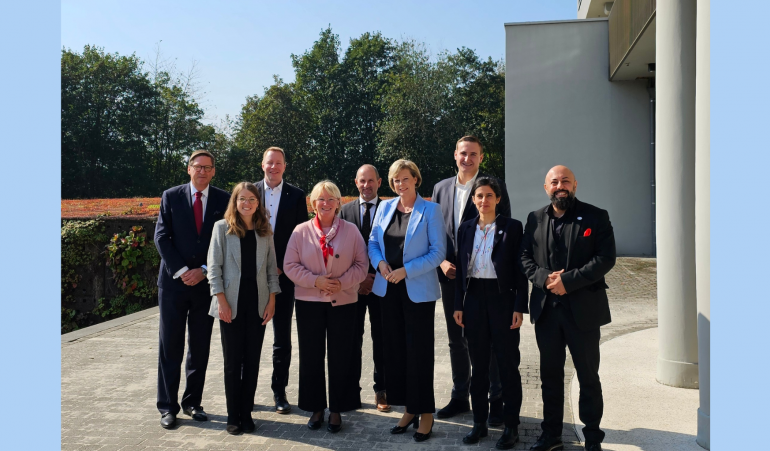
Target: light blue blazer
424,248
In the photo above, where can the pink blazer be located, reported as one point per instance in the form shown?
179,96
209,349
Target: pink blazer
304,262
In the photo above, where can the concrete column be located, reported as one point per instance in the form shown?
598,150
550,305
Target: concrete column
675,198
702,218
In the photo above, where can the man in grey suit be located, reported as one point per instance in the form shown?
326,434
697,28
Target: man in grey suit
361,213
454,196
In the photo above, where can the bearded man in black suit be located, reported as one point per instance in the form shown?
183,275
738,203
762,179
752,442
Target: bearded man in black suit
567,249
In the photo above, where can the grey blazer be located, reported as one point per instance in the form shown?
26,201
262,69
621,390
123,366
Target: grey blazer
224,268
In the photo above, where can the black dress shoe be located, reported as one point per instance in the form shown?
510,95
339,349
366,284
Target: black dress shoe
496,413
401,429
420,437
455,406
547,443
168,420
508,439
233,429
281,404
594,447
196,413
334,428
248,426
479,431
315,424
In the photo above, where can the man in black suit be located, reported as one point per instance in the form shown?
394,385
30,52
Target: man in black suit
187,216
454,196
361,213
286,208
567,249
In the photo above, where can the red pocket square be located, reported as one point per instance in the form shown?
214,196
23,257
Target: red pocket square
587,232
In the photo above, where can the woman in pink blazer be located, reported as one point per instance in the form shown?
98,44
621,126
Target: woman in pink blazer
326,259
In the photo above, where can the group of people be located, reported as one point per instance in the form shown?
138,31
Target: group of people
250,257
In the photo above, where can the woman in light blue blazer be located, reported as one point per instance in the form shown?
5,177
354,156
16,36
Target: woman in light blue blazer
406,246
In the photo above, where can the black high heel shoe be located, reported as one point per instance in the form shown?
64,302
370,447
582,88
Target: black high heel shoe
334,428
401,429
420,437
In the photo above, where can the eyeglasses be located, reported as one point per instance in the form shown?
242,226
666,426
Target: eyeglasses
199,168
251,200
329,200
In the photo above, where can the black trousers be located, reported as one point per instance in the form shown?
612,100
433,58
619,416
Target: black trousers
488,316
318,322
242,345
284,309
459,356
372,302
179,310
555,329
409,353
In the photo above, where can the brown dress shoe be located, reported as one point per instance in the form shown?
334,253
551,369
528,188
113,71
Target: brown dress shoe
382,401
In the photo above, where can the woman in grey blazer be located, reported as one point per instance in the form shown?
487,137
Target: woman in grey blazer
244,281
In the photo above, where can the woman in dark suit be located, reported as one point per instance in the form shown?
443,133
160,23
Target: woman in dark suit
243,276
406,246
494,291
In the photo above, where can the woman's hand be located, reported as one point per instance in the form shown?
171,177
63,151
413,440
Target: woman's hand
269,310
518,320
335,286
327,285
396,276
225,312
458,316
384,269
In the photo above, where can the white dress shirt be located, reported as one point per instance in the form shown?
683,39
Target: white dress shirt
481,255
272,200
204,201
461,199
362,211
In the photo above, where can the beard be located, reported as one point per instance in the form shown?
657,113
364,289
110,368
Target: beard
563,203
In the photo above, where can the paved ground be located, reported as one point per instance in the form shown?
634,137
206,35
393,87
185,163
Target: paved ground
109,377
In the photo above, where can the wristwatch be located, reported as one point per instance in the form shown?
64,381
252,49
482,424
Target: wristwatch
205,271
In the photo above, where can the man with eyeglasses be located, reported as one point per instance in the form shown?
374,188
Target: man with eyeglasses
286,208
182,235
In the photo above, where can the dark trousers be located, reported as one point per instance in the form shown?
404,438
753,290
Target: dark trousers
458,352
318,322
488,316
555,329
242,345
284,309
372,302
179,310
408,346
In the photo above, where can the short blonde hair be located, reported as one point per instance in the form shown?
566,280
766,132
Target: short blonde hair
273,149
400,165
329,187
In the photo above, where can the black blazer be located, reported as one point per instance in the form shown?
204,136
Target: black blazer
444,195
177,238
351,212
292,211
505,252
589,258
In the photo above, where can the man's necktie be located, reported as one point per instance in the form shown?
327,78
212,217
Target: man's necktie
366,227
198,211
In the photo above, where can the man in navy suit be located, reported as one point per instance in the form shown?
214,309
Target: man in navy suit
286,208
187,216
454,196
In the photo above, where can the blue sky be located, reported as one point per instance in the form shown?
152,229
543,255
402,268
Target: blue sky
238,46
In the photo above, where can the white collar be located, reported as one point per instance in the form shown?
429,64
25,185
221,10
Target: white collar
467,185
361,201
279,187
205,190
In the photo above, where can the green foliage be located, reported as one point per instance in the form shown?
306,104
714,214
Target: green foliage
81,242
128,256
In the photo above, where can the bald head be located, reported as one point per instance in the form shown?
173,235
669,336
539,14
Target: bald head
560,185
368,181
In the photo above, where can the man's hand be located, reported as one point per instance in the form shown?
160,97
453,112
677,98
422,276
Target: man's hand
366,286
396,276
448,268
192,276
458,316
554,283
518,320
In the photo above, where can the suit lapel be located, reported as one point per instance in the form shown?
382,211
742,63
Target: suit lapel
414,219
498,235
262,244
234,248
387,216
357,215
187,193
573,228
283,203
211,207
542,238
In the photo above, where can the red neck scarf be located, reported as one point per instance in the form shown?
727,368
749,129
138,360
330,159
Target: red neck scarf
327,238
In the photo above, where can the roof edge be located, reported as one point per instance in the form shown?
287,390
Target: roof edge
546,22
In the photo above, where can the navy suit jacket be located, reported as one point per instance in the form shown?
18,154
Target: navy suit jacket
292,211
177,238
505,259
444,195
